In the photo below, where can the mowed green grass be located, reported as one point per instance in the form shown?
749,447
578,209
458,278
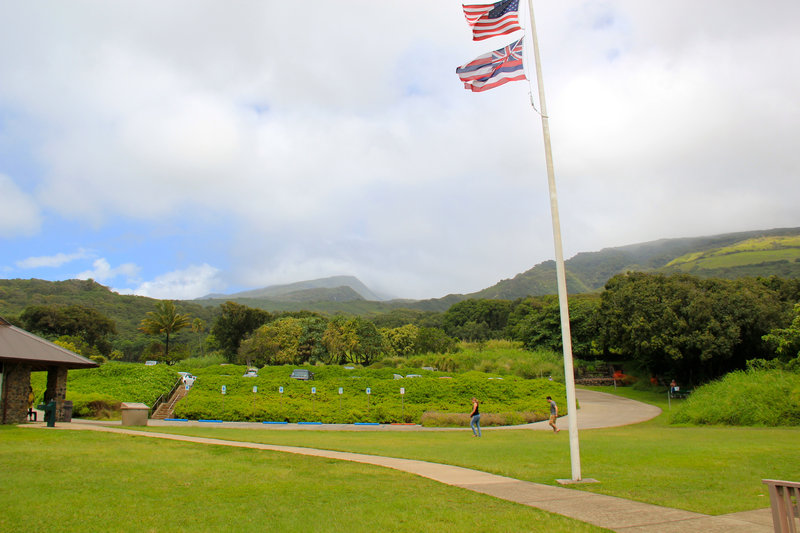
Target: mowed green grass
712,470
86,481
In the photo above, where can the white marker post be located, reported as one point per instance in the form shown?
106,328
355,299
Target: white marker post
223,401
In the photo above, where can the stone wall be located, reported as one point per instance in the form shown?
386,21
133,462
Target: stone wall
16,386
57,389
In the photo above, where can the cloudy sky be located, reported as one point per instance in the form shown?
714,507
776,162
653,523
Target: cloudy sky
176,148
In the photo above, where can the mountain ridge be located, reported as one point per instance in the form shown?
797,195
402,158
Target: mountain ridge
761,253
332,285
589,271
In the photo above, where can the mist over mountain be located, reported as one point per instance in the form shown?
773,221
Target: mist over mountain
774,252
765,253
731,255
333,288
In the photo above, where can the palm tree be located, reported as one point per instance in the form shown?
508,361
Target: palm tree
199,326
165,319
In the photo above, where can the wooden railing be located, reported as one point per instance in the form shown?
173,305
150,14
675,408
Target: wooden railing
784,498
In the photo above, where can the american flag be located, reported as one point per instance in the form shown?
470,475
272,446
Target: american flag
493,69
490,20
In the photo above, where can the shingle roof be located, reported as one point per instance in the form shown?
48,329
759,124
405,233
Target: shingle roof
18,345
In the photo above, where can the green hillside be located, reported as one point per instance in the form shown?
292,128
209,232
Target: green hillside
775,253
125,310
306,291
757,253
541,279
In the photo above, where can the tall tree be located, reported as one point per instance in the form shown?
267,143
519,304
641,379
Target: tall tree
352,340
687,327
786,341
164,320
79,321
199,326
536,321
477,320
234,324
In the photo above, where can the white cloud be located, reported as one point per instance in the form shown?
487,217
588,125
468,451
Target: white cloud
352,149
53,261
102,271
186,284
19,214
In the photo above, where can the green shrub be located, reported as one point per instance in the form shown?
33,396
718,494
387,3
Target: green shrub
437,419
494,356
109,385
745,398
94,405
193,363
441,392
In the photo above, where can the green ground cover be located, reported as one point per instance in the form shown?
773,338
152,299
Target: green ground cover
713,470
515,400
745,398
99,391
751,251
75,481
748,258
496,356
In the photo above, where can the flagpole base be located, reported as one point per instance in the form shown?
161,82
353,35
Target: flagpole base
576,482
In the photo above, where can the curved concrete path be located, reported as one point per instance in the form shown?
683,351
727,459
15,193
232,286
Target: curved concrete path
601,410
598,410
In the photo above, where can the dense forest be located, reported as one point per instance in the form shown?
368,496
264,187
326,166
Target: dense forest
678,325
691,308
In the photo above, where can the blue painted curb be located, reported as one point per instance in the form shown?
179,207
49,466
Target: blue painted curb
176,420
217,421
320,423
265,422
366,423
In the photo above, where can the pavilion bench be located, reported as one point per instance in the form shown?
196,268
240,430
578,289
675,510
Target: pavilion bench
784,498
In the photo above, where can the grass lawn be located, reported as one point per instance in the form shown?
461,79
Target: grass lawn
87,481
713,470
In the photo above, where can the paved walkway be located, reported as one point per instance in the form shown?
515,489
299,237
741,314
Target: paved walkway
598,410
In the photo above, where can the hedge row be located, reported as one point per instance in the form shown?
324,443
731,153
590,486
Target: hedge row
430,392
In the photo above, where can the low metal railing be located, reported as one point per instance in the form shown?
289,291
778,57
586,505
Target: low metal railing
165,397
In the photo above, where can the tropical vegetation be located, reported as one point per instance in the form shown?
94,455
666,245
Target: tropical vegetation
98,392
671,322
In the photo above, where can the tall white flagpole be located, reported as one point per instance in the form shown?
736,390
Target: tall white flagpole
566,336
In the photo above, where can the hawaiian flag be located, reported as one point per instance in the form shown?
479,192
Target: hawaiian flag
493,69
491,20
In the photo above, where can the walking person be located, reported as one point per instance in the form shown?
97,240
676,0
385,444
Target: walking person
475,418
553,414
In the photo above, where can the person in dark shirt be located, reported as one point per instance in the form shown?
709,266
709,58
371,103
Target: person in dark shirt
475,418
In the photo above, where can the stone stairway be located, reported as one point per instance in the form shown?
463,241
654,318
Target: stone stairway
166,409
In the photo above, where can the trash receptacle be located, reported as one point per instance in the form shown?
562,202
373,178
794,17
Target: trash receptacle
49,412
67,410
134,414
